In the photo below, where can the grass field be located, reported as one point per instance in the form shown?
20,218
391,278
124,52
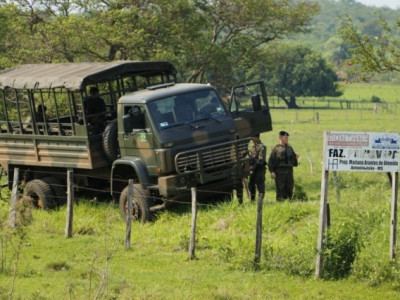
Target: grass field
357,94
43,264
388,92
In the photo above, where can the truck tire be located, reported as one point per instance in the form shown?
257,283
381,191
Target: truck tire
110,141
141,203
40,193
59,191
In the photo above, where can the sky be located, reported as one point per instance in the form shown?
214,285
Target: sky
389,3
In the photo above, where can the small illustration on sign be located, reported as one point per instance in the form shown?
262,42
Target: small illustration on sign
386,142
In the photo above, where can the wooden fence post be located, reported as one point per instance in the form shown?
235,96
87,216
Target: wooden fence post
70,203
311,164
257,255
323,220
14,199
192,244
393,217
129,216
322,213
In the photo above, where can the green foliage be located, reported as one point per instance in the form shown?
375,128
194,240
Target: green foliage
387,92
374,52
299,194
223,268
375,99
293,71
323,37
342,243
58,266
208,40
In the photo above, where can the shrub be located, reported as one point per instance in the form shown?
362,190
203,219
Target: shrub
375,99
341,247
299,194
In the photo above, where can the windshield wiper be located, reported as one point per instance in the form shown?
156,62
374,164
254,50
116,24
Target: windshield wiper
178,124
171,125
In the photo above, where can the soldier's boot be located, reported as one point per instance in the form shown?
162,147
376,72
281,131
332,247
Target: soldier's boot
253,197
261,196
240,200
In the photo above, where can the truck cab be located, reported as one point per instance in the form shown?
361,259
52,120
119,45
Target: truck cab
185,136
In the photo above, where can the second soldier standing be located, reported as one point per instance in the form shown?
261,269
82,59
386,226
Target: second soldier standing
280,164
257,167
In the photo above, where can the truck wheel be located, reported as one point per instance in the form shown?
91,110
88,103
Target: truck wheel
40,193
110,141
59,191
140,204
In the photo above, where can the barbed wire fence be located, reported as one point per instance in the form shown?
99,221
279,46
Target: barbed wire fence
70,186
334,111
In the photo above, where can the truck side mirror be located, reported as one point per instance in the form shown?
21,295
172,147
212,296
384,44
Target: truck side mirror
256,102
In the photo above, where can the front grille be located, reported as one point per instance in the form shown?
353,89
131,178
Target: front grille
212,158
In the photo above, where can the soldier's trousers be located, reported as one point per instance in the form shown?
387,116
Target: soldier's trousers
257,180
284,183
238,186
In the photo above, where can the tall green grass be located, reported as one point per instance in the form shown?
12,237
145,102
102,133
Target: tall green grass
388,92
94,264
359,96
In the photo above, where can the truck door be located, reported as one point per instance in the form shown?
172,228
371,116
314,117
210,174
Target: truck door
137,136
249,109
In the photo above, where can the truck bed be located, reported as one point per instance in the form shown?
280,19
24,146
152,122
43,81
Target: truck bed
52,151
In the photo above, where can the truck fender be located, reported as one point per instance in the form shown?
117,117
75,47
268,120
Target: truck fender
138,166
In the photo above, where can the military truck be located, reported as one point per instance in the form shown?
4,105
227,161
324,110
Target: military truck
166,136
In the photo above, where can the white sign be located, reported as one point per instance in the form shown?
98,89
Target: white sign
362,151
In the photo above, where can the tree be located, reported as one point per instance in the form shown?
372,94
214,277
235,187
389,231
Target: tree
209,40
12,32
293,71
379,53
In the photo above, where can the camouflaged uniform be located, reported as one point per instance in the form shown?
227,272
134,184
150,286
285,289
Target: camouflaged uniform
281,162
257,176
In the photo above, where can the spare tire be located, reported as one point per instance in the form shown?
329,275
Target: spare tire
40,194
110,141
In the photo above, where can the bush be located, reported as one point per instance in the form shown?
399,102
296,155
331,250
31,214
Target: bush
375,99
299,194
341,247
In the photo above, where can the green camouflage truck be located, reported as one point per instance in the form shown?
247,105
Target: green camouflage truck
166,136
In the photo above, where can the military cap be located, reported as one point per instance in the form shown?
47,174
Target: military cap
283,133
256,135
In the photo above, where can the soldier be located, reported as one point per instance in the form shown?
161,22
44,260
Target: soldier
41,115
280,164
95,109
257,168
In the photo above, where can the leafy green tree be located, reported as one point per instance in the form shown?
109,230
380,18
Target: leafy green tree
13,30
236,29
293,71
376,53
209,40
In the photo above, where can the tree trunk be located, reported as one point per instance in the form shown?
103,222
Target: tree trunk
292,102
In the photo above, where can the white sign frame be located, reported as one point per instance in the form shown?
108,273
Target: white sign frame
362,151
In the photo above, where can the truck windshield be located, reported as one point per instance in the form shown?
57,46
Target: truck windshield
186,108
